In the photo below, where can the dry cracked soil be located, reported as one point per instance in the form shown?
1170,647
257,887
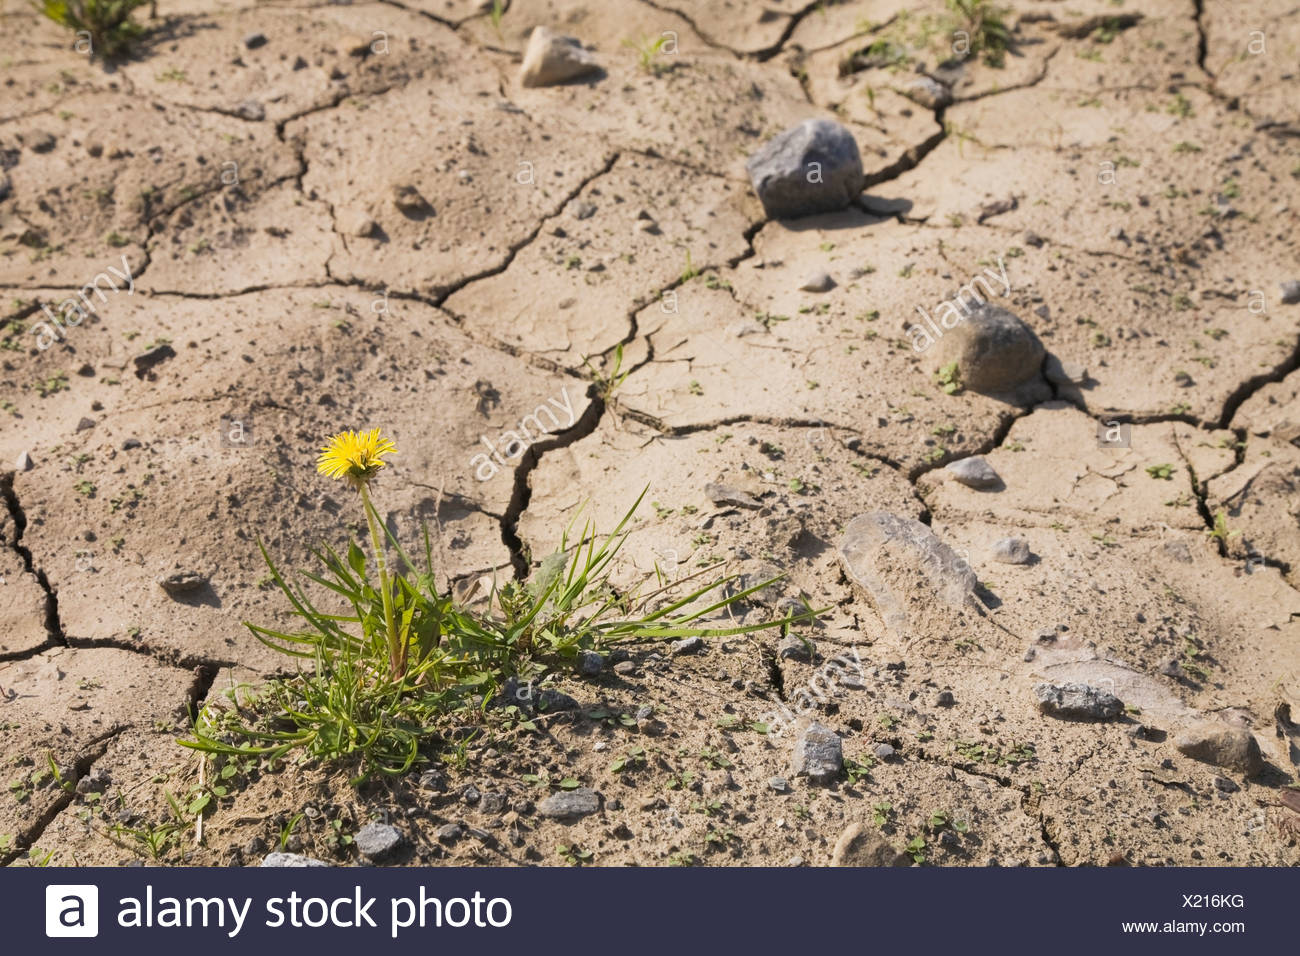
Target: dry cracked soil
345,215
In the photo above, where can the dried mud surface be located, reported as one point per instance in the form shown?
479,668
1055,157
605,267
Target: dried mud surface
1137,185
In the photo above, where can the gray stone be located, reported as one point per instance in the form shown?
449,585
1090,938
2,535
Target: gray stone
553,58
570,804
253,40
183,582
818,753
85,424
449,832
859,845
434,780
251,110
1077,702
1291,292
945,699
688,645
928,92
811,168
550,700
290,859
97,781
974,472
1233,748
24,462
590,663
994,350
794,648
625,668
1012,551
884,751
818,282
492,802
1061,372
377,841
779,784
728,496
889,556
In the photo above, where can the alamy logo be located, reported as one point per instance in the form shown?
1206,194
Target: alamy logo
72,910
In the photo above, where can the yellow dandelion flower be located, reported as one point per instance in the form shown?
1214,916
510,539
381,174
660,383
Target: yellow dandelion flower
356,456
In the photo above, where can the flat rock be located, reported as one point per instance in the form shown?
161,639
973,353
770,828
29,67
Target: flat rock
377,841
553,58
24,462
1012,551
811,168
1291,292
859,845
1077,702
818,753
290,859
570,804
182,582
974,472
729,496
882,553
994,350
1233,748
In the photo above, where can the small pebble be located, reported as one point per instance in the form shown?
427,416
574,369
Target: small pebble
818,282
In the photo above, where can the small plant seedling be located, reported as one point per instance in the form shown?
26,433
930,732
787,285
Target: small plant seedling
916,849
858,769
494,16
949,379
629,761
881,811
714,759
573,855
985,27
1220,530
108,23
646,51
607,383
1164,472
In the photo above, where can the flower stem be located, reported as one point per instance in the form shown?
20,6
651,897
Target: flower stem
396,665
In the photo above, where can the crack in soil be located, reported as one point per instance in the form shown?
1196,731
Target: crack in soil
442,294
520,558
82,766
53,625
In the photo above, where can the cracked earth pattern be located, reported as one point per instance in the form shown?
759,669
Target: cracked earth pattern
1136,177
